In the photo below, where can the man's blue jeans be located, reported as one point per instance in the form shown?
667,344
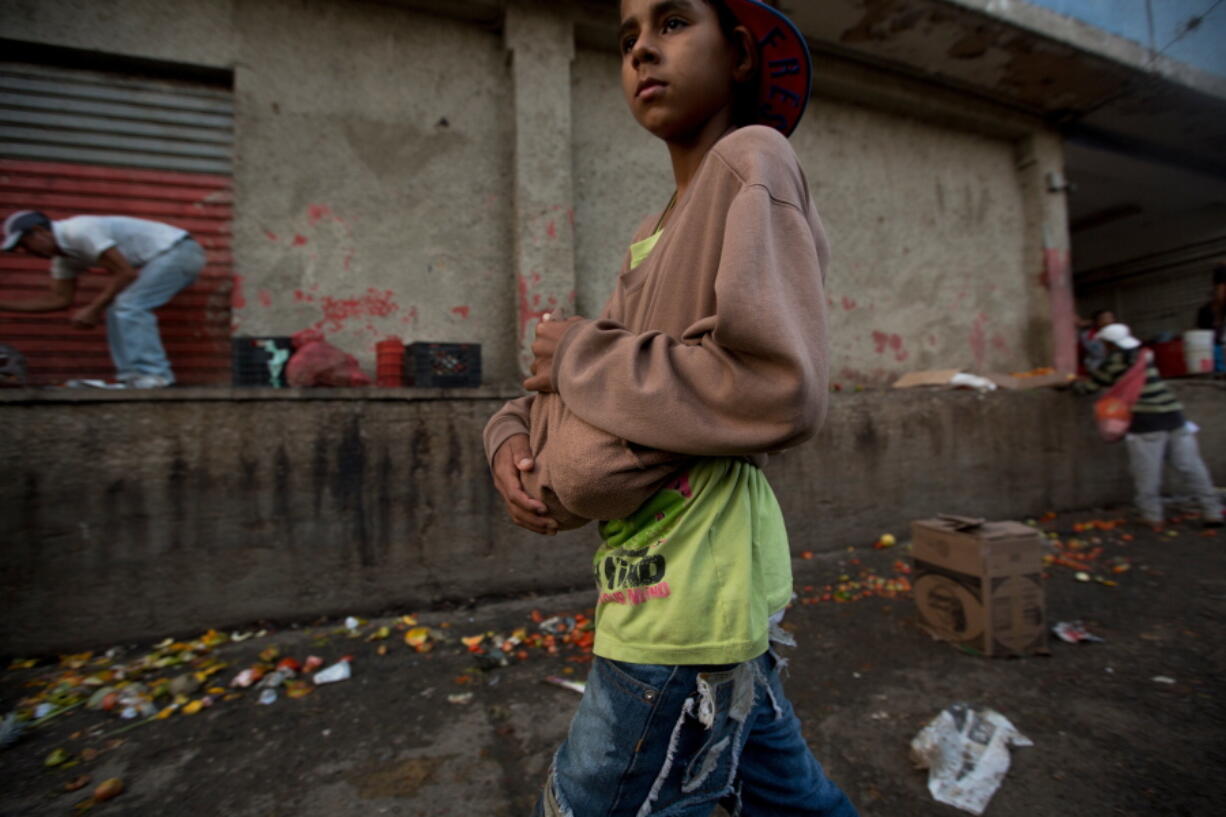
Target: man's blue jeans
131,326
675,741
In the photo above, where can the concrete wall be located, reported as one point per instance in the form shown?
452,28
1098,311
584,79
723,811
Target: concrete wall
372,160
200,32
127,518
384,183
622,174
374,171
930,245
933,256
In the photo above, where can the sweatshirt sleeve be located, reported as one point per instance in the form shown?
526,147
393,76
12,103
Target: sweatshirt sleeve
750,379
513,418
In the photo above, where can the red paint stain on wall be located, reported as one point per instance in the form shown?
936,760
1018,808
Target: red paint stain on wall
551,229
303,297
462,311
883,341
1056,278
893,342
237,299
880,340
849,303
979,339
299,239
271,236
316,212
529,303
265,297
999,343
373,304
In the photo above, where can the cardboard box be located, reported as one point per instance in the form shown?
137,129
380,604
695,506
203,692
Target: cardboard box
935,377
1038,381
977,584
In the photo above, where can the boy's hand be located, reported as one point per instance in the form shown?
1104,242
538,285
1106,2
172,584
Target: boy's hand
548,334
511,459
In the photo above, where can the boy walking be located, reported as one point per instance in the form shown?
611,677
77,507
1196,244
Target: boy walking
168,260
711,353
1159,432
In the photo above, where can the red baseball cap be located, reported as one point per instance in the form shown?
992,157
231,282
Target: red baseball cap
786,75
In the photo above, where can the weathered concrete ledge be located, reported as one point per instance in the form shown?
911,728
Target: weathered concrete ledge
126,517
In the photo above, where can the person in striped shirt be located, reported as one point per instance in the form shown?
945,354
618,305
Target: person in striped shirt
1159,432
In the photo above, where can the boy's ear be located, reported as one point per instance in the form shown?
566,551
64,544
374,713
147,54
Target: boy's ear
746,54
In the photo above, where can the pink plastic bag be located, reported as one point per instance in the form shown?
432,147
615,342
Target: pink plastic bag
318,363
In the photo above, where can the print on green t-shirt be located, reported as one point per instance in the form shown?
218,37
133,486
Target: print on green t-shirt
693,576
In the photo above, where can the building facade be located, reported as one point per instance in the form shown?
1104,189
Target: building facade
449,171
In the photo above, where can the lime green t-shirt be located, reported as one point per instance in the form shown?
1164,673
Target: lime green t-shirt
694,575
639,250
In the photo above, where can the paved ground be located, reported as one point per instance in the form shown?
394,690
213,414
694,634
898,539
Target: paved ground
1109,740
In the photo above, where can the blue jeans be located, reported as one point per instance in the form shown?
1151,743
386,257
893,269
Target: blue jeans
675,741
131,326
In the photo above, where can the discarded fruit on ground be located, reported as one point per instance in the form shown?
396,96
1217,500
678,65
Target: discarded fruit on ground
108,789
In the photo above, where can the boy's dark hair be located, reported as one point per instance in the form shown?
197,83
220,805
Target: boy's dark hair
1098,313
745,101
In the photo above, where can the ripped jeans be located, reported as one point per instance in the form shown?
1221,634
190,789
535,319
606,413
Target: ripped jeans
675,741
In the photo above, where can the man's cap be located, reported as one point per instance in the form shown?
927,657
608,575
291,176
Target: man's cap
1119,334
786,71
15,226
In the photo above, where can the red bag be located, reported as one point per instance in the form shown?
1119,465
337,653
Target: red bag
1113,411
318,363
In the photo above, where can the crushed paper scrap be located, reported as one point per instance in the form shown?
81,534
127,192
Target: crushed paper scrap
966,752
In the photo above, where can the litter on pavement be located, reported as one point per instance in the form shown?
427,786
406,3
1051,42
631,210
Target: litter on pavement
573,686
1074,632
184,678
966,752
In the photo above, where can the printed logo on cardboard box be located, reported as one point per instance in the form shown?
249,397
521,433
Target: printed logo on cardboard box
977,584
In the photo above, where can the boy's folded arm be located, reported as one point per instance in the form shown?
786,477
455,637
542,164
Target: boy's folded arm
752,379
513,418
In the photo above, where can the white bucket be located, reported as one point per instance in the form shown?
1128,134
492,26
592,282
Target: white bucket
1198,350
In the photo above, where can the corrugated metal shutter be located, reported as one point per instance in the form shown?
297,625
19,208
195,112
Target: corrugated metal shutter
83,116
100,151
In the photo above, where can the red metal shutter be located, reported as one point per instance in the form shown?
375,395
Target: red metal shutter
111,135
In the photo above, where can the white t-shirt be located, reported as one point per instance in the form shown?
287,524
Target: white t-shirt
83,238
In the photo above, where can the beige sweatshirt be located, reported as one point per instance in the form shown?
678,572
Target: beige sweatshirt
715,345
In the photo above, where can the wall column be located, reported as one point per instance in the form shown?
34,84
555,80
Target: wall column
540,39
1041,168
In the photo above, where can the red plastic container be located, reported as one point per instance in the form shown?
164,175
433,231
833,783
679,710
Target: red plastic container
1168,357
389,363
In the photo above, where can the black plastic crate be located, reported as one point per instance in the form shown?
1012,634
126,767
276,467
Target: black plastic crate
442,365
250,358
